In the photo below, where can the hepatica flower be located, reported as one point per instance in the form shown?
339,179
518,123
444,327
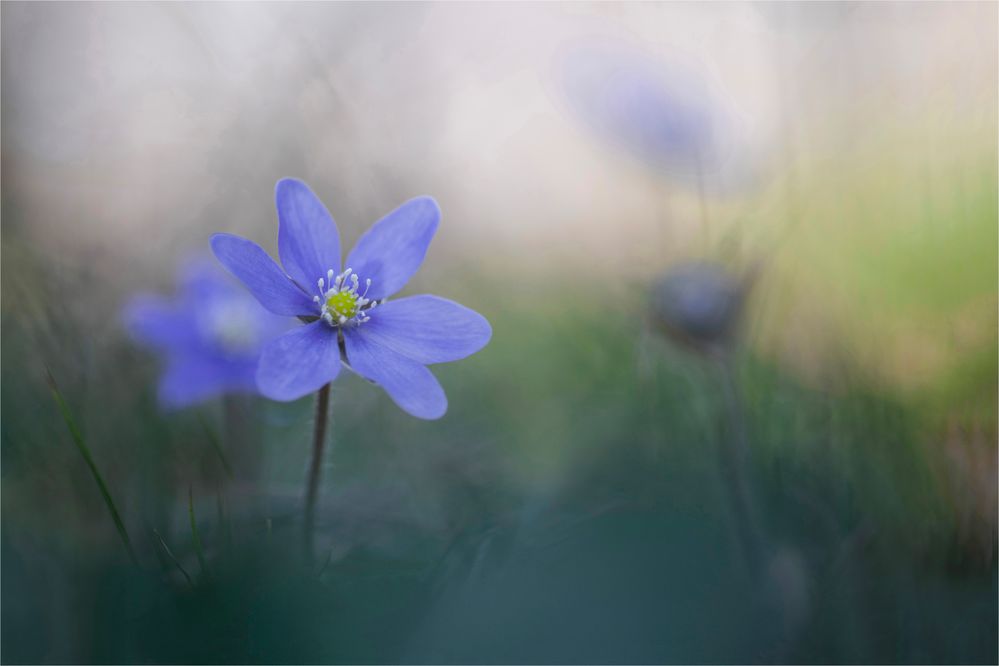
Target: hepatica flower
210,335
665,112
348,317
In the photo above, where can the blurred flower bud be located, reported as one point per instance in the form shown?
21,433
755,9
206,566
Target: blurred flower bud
698,304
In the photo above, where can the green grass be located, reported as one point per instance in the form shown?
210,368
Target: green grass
81,445
570,505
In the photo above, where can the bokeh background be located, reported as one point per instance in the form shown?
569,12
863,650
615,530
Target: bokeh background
575,504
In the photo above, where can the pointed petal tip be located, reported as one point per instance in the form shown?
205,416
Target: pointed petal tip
289,183
428,208
425,412
429,329
248,262
215,239
428,201
391,251
308,239
487,328
409,383
432,416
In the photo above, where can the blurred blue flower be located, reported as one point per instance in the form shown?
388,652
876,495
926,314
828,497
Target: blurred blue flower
661,111
210,335
346,313
699,304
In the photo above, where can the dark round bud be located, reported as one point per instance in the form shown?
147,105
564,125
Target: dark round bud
698,304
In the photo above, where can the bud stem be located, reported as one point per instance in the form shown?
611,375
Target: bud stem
734,463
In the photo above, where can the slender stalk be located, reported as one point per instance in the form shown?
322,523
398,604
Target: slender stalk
225,526
236,436
173,558
214,441
315,467
322,570
195,536
81,444
734,462
702,199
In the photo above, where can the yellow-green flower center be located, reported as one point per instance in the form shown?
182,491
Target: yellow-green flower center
343,303
339,300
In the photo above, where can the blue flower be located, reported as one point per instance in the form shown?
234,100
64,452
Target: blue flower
661,111
210,335
344,306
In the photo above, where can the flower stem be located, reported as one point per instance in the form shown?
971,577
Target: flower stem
734,462
318,441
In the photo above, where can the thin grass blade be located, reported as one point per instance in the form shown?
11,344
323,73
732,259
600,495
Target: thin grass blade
74,431
194,530
173,558
216,444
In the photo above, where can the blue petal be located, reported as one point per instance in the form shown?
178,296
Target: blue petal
308,240
190,379
408,383
248,262
153,321
299,362
209,294
428,329
393,249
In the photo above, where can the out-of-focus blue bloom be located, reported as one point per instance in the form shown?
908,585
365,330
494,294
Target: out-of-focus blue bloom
210,335
348,318
699,304
662,112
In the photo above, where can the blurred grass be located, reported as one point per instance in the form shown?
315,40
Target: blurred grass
568,508
892,254
573,477
81,445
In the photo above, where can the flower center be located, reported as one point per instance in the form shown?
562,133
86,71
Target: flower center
339,301
231,326
342,304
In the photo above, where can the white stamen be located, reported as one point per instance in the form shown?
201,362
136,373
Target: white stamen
347,283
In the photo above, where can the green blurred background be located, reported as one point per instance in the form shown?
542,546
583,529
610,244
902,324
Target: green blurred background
573,504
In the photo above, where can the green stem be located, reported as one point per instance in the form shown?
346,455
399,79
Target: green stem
315,467
173,558
734,462
198,550
214,441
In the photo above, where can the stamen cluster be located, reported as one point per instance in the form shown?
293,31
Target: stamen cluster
339,301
